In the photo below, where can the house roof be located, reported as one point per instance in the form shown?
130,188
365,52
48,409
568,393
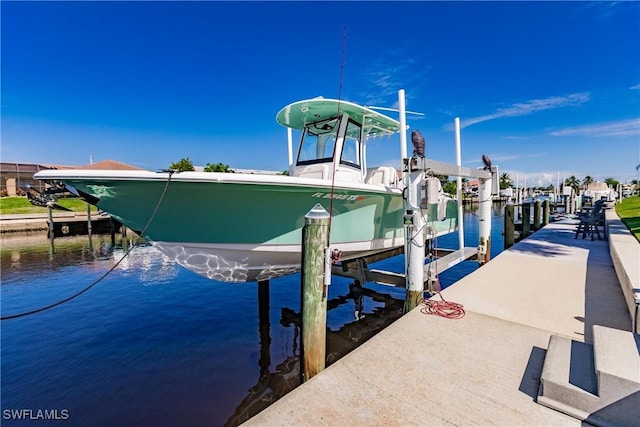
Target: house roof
109,165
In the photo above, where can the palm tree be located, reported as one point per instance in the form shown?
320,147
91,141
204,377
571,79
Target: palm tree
573,182
505,181
219,167
586,181
182,165
612,182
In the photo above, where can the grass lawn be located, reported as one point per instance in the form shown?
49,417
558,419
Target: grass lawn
20,205
629,213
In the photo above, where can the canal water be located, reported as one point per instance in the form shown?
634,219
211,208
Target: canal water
154,344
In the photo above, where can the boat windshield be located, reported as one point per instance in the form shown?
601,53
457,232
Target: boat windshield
351,147
318,142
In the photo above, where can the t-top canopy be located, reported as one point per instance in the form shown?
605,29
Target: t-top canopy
301,113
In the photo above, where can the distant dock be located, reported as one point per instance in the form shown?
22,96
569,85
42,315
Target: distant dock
486,368
62,223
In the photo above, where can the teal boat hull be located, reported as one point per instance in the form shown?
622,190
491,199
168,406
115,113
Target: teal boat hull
232,227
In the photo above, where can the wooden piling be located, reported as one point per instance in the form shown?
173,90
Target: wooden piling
545,213
89,230
51,233
112,231
315,241
509,227
536,215
526,220
265,327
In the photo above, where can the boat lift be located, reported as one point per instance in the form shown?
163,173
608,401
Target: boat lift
420,193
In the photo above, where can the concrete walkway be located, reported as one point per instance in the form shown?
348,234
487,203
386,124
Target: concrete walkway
483,369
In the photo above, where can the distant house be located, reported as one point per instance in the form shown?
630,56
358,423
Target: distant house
16,177
597,190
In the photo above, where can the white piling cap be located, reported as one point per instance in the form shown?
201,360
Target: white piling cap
317,212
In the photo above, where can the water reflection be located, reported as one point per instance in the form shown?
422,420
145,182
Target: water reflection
272,385
27,252
35,253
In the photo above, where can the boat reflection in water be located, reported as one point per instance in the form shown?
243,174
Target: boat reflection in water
272,385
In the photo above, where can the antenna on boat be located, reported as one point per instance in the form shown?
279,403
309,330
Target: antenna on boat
333,174
344,45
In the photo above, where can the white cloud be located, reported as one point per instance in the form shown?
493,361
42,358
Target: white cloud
636,87
390,71
528,107
629,127
538,178
546,178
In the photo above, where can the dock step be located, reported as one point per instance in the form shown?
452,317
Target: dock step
598,383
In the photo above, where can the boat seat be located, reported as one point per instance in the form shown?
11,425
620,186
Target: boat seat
347,174
383,175
318,171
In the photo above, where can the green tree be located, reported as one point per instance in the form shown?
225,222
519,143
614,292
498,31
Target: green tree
505,181
573,182
586,181
182,165
450,187
218,167
285,173
443,179
611,182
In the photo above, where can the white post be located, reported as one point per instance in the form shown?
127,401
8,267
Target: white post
459,185
620,192
290,149
484,212
414,222
403,124
414,242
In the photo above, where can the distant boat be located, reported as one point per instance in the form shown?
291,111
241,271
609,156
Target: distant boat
245,227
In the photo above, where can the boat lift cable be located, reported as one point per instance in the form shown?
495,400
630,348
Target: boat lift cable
99,279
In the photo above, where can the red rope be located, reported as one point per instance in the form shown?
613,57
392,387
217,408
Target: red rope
442,308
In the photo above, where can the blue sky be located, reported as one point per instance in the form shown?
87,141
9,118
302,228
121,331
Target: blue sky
541,87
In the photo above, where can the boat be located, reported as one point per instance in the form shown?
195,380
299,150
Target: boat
236,227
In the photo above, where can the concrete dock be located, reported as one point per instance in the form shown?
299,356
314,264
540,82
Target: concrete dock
483,369
23,223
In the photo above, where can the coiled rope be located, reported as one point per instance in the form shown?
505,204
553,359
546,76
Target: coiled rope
99,279
442,308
